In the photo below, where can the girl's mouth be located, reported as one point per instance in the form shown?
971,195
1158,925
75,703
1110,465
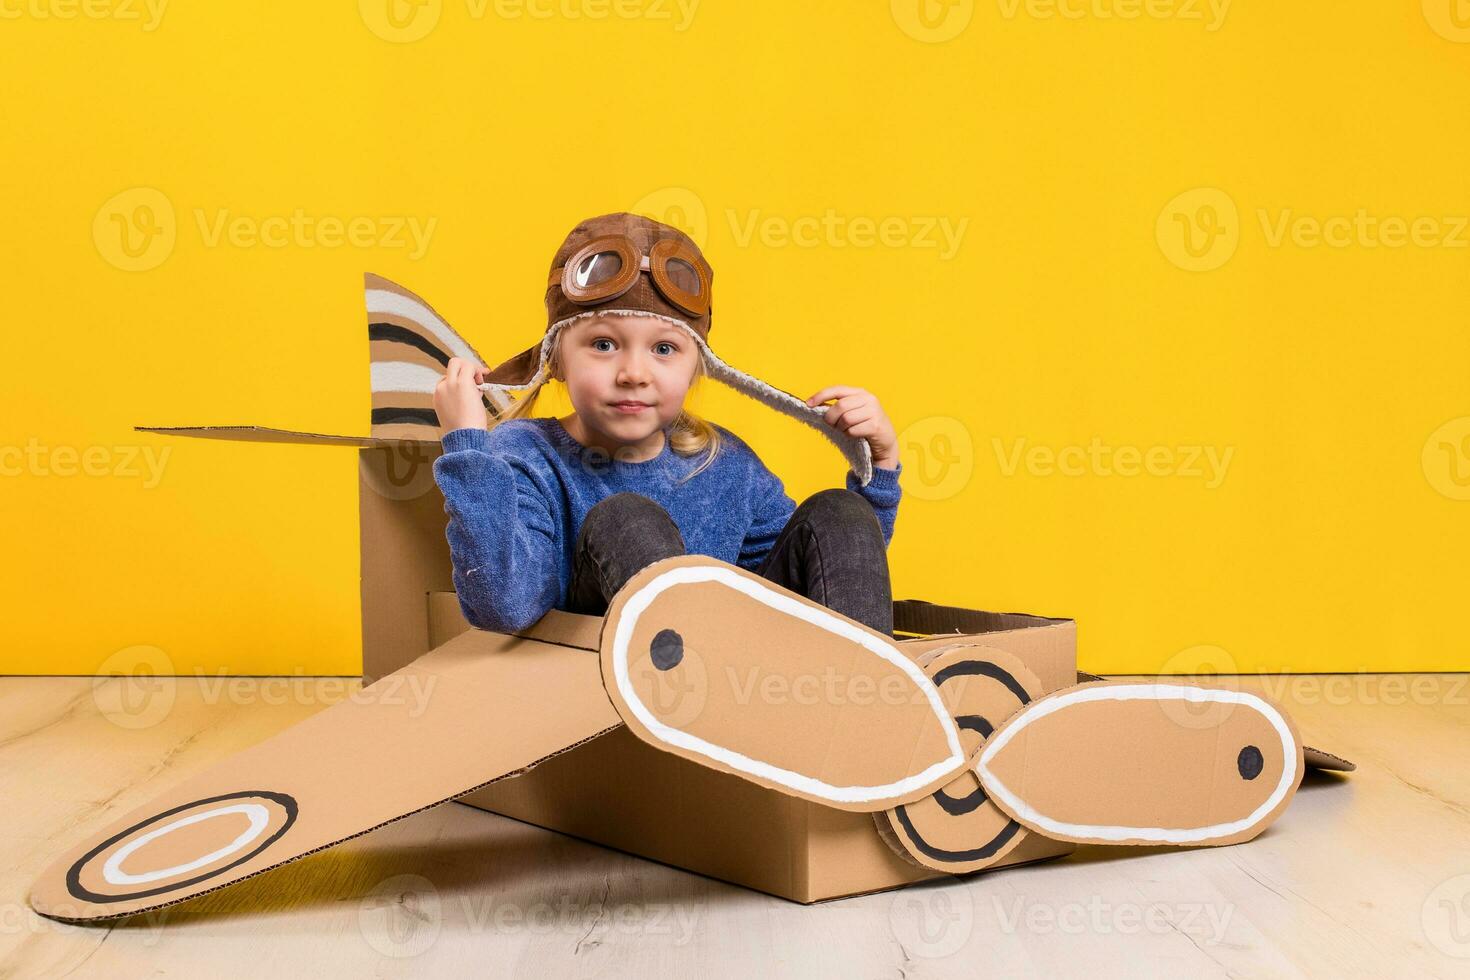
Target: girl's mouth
630,407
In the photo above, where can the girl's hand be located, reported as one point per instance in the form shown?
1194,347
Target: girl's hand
457,397
857,412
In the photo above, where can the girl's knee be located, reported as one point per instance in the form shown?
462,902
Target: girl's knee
839,504
634,513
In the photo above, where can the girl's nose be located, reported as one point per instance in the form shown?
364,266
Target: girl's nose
633,369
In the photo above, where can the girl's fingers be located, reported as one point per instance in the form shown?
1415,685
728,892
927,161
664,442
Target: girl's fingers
832,391
846,404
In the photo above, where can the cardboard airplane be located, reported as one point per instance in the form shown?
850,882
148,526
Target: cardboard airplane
970,743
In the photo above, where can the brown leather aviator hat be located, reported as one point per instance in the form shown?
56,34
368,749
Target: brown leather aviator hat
629,265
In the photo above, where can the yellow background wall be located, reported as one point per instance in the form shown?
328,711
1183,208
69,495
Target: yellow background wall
1053,239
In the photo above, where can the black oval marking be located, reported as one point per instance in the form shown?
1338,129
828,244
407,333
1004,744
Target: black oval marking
1250,762
74,873
667,649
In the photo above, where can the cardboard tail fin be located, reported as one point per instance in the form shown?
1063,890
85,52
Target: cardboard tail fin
409,348
450,722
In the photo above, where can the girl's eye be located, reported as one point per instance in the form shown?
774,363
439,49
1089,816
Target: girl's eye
601,340
670,347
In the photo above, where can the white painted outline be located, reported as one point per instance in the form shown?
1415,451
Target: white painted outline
387,301
686,574
1135,692
404,376
114,874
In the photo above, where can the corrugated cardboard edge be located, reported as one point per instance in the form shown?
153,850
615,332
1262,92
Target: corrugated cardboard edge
1326,761
265,433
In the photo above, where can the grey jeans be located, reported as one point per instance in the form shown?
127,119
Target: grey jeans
831,551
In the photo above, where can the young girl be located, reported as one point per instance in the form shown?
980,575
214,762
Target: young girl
559,513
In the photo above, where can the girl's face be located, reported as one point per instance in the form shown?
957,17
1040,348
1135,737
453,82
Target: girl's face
641,360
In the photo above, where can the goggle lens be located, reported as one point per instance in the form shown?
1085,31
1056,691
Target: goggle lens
596,269
683,275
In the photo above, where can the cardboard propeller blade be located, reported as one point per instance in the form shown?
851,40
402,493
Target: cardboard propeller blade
958,828
1115,762
382,755
721,666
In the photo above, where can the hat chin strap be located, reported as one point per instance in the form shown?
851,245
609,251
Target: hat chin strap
857,451
859,454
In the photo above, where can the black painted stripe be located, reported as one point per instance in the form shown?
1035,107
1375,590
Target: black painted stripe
402,335
940,854
74,873
986,669
975,723
958,806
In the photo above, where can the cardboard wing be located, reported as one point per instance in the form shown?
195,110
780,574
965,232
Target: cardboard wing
342,772
717,664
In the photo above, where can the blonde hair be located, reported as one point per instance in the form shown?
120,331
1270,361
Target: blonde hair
688,434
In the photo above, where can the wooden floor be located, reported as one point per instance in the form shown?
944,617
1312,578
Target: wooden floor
1367,875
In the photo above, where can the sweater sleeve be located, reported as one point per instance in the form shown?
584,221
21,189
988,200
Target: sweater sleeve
770,508
504,522
883,492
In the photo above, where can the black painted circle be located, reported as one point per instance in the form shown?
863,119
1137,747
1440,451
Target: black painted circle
1249,762
73,875
667,650
963,806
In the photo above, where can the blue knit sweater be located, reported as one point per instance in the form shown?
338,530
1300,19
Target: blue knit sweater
516,497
